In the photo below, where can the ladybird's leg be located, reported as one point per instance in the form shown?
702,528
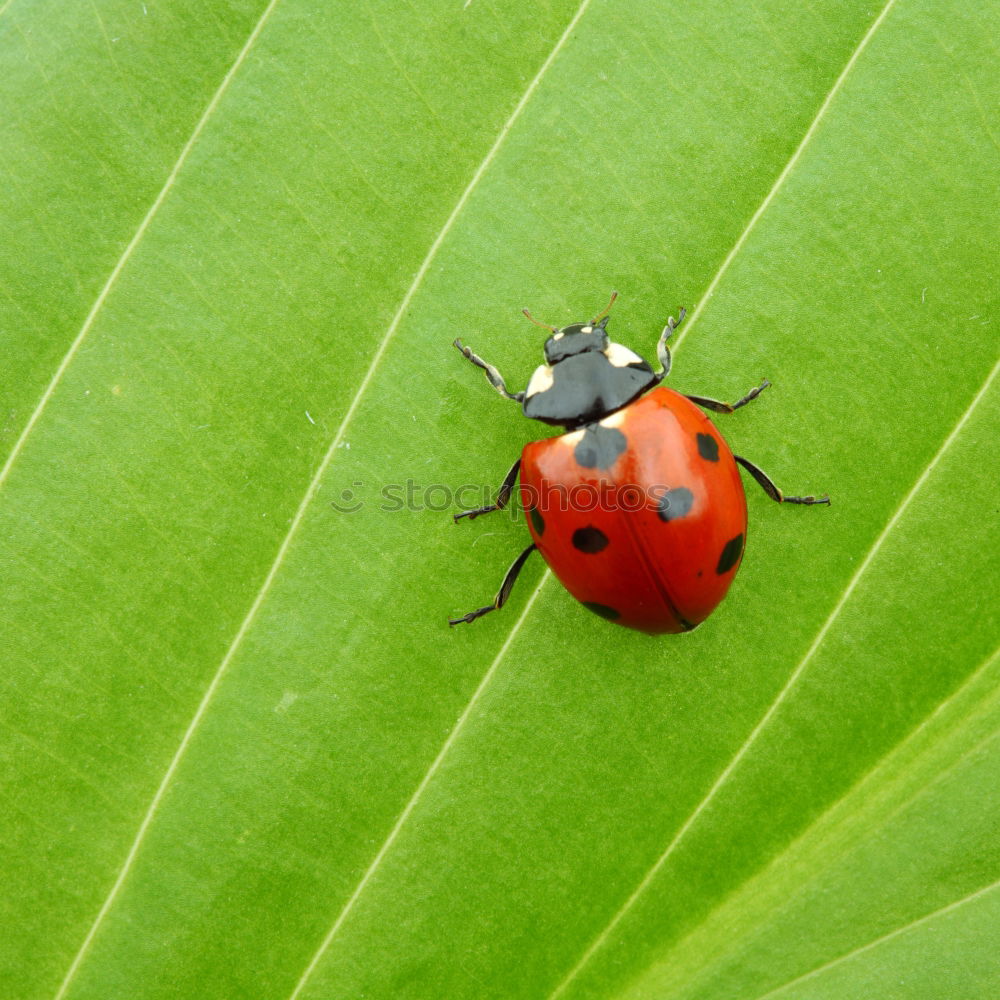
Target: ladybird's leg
503,497
769,487
495,378
502,594
717,406
662,351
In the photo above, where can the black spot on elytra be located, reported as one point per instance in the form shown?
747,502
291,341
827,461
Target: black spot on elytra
675,503
590,539
708,448
602,609
537,521
599,447
730,555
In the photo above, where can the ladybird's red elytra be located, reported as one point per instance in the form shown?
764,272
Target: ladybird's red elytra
657,562
639,507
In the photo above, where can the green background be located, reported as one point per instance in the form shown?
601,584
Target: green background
241,754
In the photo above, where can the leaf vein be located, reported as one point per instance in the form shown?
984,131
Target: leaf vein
919,922
57,378
415,797
789,167
137,238
843,803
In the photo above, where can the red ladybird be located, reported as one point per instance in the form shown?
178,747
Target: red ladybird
639,509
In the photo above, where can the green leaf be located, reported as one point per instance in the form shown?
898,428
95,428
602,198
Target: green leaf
243,755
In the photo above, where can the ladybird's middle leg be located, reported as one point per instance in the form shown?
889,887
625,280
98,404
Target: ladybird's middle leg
502,594
503,497
717,406
770,487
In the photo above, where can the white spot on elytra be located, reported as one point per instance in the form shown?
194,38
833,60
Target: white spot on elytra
540,381
586,329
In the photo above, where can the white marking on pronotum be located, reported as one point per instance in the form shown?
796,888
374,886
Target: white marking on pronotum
782,695
615,420
133,243
783,176
126,255
620,356
540,381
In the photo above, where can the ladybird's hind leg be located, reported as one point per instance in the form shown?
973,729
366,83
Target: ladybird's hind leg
717,406
503,497
662,351
495,378
502,594
771,489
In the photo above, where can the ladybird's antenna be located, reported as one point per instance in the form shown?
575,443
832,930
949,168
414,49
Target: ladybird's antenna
544,326
606,310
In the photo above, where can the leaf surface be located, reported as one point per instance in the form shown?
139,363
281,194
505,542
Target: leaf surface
243,754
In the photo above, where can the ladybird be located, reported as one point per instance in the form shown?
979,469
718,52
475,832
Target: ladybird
638,508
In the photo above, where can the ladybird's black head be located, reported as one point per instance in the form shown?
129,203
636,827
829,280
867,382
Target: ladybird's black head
578,338
585,376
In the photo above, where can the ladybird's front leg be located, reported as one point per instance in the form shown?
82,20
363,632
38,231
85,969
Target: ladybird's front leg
662,351
717,406
502,594
770,487
503,496
495,378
